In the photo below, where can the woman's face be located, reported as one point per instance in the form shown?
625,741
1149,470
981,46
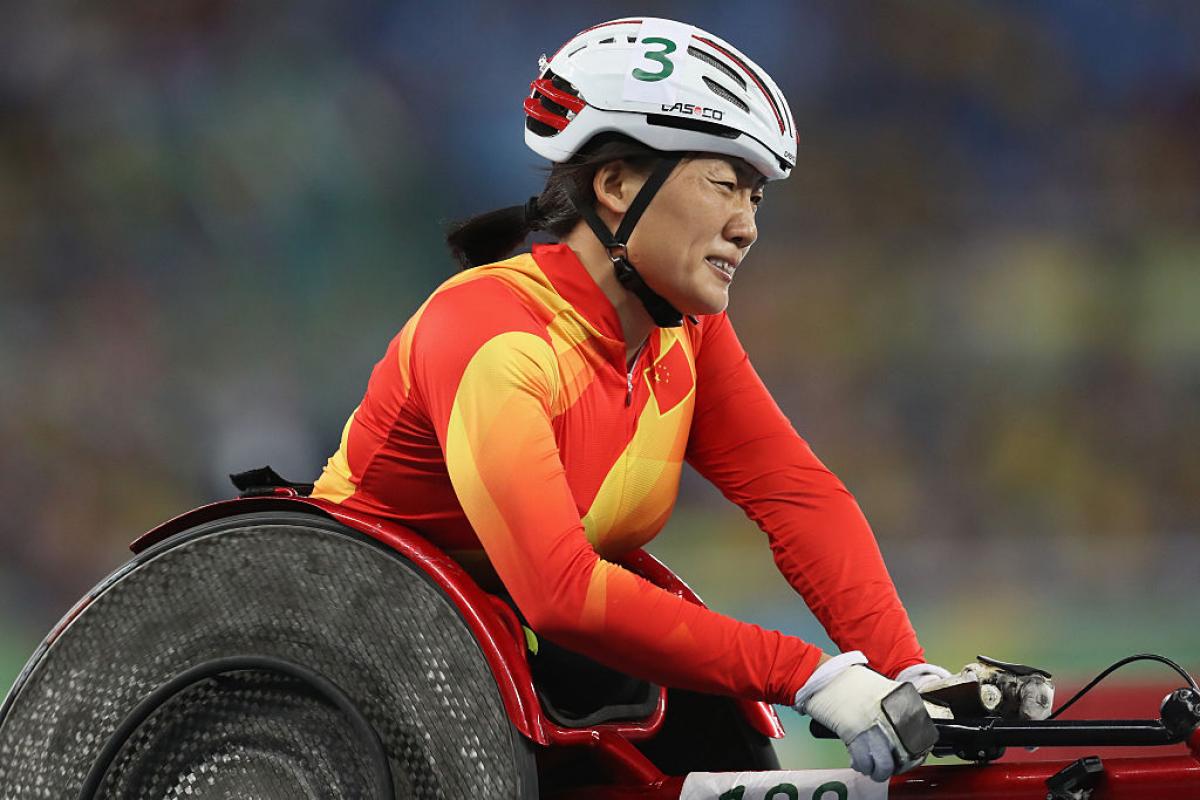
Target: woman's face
703,215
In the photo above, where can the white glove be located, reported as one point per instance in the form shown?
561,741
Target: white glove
923,675
848,698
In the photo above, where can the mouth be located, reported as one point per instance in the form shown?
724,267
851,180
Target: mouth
724,268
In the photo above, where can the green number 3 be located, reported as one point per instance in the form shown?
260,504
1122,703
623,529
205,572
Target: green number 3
660,56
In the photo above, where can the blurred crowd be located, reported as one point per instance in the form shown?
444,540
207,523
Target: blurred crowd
978,297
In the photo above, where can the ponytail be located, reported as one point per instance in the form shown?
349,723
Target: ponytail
493,235
490,236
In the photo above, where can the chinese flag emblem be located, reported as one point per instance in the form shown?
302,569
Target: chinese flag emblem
670,378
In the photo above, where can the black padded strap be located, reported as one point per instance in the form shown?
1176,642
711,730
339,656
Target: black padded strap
264,481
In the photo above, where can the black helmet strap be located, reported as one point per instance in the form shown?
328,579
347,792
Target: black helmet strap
662,312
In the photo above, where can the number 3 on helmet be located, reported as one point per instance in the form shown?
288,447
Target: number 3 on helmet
671,86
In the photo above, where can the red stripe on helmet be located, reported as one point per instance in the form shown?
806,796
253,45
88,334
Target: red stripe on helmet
753,77
594,27
535,109
606,24
564,99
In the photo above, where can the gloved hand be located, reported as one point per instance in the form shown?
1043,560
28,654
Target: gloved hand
923,675
882,722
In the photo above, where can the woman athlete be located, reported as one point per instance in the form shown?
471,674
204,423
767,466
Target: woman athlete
533,416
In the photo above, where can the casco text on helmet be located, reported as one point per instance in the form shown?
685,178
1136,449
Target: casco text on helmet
671,86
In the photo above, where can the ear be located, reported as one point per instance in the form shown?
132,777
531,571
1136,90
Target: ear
615,184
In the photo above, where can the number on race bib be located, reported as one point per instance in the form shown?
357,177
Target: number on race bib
788,791
840,792
660,56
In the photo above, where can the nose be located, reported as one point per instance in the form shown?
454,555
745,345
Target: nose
741,228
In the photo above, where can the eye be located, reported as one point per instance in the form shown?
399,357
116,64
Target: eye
730,185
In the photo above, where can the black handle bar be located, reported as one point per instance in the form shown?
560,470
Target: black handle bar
1180,717
1055,733
990,732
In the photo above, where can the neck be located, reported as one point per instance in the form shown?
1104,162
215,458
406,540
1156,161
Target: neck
636,324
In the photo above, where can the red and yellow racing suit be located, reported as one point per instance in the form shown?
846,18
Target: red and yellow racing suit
504,423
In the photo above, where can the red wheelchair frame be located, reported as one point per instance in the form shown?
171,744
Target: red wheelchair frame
630,774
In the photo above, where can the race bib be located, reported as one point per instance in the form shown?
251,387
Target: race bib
657,61
802,784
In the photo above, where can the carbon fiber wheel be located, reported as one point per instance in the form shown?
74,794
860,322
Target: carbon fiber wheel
281,585
255,733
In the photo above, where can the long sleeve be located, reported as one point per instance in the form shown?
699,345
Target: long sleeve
743,444
492,386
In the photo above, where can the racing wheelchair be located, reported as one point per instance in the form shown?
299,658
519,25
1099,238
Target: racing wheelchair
278,646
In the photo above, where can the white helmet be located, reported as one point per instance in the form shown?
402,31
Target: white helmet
669,85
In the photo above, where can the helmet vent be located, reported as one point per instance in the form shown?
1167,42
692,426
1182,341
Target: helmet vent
552,106
713,61
542,128
609,40
538,127
562,83
725,94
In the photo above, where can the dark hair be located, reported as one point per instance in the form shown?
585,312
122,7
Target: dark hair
493,235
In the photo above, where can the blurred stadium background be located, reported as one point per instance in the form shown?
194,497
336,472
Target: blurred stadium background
978,297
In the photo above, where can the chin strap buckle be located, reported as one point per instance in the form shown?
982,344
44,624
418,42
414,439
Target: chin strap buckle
618,252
